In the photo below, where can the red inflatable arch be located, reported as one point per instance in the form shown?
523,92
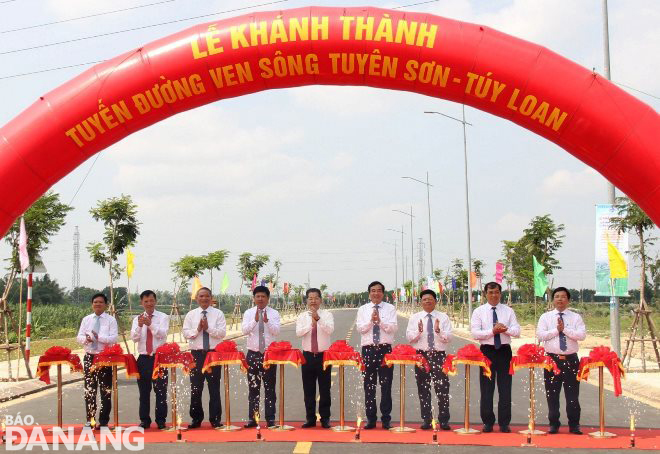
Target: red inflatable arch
597,122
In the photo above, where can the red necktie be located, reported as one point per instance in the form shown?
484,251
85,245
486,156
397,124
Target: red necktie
315,341
150,340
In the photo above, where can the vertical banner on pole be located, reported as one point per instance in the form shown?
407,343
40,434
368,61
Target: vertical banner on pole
604,233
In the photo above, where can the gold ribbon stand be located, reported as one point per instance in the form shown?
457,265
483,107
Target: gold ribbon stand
601,408
466,429
532,419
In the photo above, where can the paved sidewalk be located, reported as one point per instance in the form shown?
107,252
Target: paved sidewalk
11,389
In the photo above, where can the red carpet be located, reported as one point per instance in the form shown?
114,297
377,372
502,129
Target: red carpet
645,438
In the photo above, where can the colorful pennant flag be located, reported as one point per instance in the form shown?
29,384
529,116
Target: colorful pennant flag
473,279
225,284
453,283
130,264
285,288
254,282
23,256
540,281
618,268
499,272
197,284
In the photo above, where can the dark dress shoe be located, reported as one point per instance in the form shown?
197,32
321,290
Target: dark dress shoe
487,428
575,430
250,425
386,425
553,430
309,424
270,424
161,425
426,426
505,429
195,425
216,425
370,425
145,425
445,426
325,424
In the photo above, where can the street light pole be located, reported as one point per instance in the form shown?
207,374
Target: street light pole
396,271
412,250
467,200
428,204
403,269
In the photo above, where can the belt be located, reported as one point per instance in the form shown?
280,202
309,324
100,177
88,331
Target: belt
146,354
377,345
563,357
201,350
307,352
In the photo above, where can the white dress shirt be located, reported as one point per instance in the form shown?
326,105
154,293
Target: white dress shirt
160,325
250,327
574,329
388,323
324,328
421,340
107,333
217,327
481,324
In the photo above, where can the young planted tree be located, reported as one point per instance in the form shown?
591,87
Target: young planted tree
185,269
43,219
119,216
213,261
249,266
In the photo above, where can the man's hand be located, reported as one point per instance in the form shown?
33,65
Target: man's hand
436,327
265,316
560,325
420,326
315,315
147,320
256,315
203,325
499,328
140,320
88,339
375,317
96,335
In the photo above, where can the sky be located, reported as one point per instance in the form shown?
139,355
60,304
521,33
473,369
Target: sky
311,175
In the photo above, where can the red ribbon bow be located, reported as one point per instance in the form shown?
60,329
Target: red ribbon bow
603,356
227,346
168,348
532,355
55,356
341,346
279,346
469,354
114,349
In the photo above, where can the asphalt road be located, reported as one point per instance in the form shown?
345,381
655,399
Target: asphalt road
42,406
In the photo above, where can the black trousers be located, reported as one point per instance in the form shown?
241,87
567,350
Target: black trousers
145,365
197,379
500,360
568,366
312,372
101,379
372,356
257,374
440,383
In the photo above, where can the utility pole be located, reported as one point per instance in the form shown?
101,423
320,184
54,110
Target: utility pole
75,281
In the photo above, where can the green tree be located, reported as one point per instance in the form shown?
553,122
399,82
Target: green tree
84,295
249,266
47,291
43,219
119,217
213,261
185,269
633,218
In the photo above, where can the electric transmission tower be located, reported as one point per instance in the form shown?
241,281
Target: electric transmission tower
75,282
420,257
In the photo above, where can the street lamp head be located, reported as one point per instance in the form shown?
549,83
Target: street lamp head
419,181
403,212
448,116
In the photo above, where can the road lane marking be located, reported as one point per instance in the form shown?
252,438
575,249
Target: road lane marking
302,447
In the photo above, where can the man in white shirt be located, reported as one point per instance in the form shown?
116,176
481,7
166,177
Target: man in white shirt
377,323
315,326
429,332
261,324
149,331
96,331
560,330
204,327
493,325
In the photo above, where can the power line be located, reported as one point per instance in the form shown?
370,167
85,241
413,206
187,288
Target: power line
83,38
50,69
415,4
635,89
84,17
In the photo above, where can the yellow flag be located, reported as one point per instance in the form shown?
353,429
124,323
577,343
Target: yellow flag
130,265
618,267
197,284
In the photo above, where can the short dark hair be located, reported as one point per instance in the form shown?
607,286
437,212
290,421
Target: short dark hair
561,289
147,293
491,285
261,289
204,288
374,283
313,290
428,291
100,295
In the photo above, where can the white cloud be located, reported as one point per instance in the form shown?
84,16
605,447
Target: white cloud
565,183
511,225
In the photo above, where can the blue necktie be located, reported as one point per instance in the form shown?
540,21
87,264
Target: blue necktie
498,341
206,342
376,330
96,329
562,337
430,335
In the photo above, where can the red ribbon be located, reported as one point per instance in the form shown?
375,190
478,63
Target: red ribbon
532,355
113,355
603,357
282,353
469,354
54,356
342,354
406,354
170,355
